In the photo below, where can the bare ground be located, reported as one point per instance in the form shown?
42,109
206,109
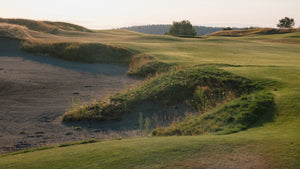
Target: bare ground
36,90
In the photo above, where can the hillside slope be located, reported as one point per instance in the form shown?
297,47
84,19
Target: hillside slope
44,26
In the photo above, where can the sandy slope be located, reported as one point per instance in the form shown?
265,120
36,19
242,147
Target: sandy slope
34,93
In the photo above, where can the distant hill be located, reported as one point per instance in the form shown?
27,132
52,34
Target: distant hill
252,31
162,29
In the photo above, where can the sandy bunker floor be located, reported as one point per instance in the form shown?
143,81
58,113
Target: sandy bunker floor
35,91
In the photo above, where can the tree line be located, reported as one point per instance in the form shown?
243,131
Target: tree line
164,28
186,29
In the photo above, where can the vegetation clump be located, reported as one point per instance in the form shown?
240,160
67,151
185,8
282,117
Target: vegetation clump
81,52
286,23
149,69
183,28
227,29
14,31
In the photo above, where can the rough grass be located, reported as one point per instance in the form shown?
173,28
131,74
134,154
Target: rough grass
200,87
150,68
14,31
81,52
234,116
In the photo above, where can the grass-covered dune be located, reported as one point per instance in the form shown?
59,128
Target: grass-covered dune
268,137
14,31
191,85
253,31
81,52
44,26
234,116
201,88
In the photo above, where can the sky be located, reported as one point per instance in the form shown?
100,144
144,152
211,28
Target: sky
108,14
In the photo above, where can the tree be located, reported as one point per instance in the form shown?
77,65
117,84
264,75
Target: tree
286,23
183,28
227,29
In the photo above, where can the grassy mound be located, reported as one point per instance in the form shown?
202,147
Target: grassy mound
253,31
14,31
199,87
82,52
44,26
149,69
232,117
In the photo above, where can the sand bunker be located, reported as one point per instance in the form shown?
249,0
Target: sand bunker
36,90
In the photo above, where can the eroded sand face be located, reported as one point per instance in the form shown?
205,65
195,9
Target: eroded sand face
35,91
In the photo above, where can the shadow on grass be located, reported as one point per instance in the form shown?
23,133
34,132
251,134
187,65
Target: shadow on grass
267,117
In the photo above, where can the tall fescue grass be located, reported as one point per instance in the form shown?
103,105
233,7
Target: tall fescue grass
14,31
149,68
81,52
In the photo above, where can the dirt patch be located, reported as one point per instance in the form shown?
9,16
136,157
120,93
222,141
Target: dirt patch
36,90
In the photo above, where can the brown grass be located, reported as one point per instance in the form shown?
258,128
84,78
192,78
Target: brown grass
44,26
14,31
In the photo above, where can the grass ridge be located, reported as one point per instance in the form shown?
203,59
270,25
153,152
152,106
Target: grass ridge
176,86
81,52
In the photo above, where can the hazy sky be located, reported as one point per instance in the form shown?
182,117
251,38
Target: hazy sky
100,14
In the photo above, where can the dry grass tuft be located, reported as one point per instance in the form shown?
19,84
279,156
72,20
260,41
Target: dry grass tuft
14,31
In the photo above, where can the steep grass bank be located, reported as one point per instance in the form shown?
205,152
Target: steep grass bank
199,87
234,116
81,52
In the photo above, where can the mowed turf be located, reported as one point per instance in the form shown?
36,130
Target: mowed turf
274,142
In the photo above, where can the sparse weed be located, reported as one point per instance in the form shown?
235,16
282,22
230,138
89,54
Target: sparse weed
147,126
77,128
141,123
